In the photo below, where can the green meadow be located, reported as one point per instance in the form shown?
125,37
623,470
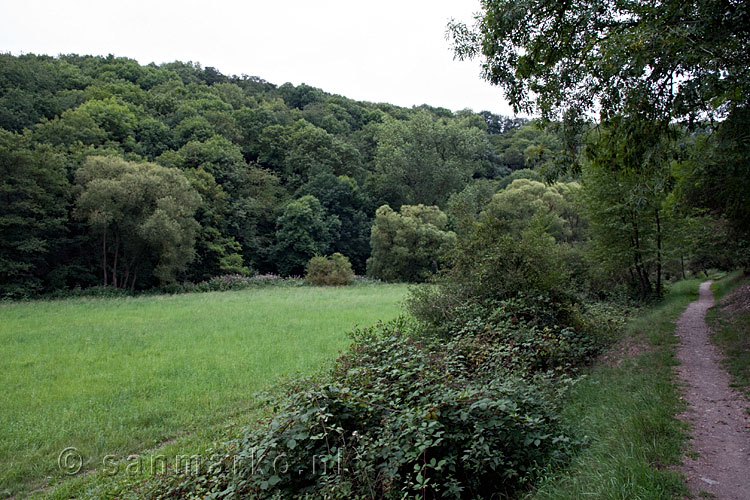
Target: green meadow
119,376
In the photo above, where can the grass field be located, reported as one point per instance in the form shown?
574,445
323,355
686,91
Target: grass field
117,376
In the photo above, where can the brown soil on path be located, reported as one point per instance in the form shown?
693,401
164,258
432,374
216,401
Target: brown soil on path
716,412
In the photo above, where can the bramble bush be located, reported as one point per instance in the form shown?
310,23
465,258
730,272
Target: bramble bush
335,270
407,413
401,416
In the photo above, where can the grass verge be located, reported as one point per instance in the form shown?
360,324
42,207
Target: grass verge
626,411
730,328
114,377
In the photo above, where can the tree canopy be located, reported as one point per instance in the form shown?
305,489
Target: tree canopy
249,148
256,155
668,59
138,211
409,245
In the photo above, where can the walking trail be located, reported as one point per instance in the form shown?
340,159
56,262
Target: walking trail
716,412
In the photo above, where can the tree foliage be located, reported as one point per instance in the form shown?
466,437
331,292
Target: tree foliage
303,230
33,209
249,148
409,245
642,67
674,58
138,211
425,159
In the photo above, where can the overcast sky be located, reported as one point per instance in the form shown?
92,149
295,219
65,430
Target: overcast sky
384,51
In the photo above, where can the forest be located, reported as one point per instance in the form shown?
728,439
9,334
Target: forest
138,177
222,174
528,245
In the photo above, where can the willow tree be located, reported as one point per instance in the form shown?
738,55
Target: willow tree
409,245
142,213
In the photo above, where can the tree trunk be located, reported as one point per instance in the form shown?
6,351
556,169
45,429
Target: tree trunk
104,256
682,263
114,263
658,254
643,280
127,274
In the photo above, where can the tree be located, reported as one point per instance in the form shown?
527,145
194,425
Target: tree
669,59
300,96
466,205
715,179
33,209
551,206
409,245
216,252
115,118
311,150
74,125
626,208
255,204
341,197
141,213
640,65
303,230
253,194
426,159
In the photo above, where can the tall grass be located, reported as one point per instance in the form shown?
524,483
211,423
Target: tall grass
116,376
724,285
627,414
731,330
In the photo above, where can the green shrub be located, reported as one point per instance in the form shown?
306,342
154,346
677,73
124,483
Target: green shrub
401,417
521,274
335,270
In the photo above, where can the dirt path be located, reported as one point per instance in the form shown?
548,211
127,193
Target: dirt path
716,412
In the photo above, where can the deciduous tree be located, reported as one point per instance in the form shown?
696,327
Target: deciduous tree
409,245
141,213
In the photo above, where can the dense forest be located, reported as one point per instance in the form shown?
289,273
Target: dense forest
133,176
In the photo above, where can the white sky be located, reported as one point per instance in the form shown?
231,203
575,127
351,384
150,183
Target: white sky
384,51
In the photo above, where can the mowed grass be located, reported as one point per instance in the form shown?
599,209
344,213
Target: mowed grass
117,376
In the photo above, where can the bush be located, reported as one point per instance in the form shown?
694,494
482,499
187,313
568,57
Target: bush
491,271
93,291
403,417
335,270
